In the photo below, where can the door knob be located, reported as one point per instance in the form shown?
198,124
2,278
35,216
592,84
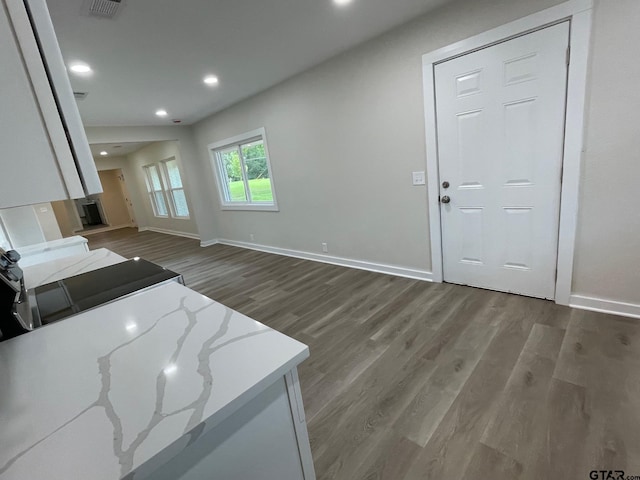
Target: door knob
445,199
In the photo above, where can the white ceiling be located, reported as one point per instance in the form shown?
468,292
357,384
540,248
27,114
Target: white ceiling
116,149
156,52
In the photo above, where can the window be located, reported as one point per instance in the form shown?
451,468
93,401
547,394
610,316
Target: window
166,192
175,190
156,192
243,172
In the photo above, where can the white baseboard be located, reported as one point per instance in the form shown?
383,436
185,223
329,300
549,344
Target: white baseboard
605,306
208,243
101,230
169,232
316,257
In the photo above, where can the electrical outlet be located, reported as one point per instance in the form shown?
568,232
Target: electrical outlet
325,248
252,237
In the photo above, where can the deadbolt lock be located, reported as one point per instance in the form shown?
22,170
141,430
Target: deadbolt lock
445,184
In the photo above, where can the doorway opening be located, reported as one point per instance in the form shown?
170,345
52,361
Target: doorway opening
110,210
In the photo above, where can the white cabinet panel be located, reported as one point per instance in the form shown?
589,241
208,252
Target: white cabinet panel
64,94
258,442
28,171
22,226
38,162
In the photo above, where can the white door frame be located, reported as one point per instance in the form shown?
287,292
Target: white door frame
579,12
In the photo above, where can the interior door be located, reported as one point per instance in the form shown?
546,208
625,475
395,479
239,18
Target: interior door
112,199
500,119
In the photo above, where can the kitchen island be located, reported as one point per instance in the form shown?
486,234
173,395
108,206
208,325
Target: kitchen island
164,384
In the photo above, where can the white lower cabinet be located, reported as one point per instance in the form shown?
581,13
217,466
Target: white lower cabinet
266,439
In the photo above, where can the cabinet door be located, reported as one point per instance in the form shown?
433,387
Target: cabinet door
52,55
37,163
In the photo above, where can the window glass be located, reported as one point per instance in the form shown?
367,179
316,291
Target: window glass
243,172
173,174
161,205
257,170
166,192
180,203
154,178
233,175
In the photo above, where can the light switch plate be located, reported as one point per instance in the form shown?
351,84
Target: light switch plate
418,178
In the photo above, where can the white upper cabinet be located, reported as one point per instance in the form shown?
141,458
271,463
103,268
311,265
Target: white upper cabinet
45,153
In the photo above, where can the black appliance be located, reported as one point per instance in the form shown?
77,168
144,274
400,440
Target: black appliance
92,213
62,299
15,311
72,295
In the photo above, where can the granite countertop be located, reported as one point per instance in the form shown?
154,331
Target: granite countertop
125,387
54,270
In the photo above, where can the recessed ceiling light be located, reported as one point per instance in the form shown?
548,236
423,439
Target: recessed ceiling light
104,154
211,80
162,113
342,3
170,369
81,68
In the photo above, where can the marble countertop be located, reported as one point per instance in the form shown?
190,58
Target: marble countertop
52,245
43,273
123,388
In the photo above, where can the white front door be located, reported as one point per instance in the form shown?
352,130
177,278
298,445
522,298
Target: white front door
500,117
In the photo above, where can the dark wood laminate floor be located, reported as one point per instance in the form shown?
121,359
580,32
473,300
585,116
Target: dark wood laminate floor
413,380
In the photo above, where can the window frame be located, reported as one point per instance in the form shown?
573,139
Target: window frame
218,171
152,193
169,189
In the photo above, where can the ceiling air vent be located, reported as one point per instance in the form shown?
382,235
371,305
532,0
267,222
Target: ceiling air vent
80,95
102,8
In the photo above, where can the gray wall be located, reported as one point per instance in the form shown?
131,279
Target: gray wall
345,136
169,141
154,153
608,245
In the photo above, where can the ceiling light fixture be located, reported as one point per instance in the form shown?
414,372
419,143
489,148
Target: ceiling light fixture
211,80
342,3
80,68
104,154
162,113
170,369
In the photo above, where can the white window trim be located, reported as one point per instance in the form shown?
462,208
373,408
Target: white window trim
216,167
168,189
579,12
151,192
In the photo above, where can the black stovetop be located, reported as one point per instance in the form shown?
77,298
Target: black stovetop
72,295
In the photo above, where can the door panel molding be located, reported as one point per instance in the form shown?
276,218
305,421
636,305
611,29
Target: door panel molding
579,13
